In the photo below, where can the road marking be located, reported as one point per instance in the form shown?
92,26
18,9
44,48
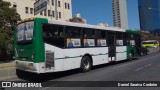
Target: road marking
138,69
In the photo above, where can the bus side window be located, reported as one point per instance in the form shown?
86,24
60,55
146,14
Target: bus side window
101,38
73,32
88,33
126,39
119,39
73,37
53,35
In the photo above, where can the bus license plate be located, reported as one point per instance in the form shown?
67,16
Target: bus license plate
23,59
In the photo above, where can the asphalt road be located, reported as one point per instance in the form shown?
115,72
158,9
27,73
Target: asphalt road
145,68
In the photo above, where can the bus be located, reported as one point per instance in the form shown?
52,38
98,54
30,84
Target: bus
150,43
45,46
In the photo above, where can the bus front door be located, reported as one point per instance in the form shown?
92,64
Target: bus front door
111,47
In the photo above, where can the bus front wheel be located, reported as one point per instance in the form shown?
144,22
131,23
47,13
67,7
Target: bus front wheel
131,55
86,64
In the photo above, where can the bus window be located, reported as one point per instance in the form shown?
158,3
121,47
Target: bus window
52,30
53,34
24,33
100,34
119,39
73,37
129,39
73,32
101,38
88,33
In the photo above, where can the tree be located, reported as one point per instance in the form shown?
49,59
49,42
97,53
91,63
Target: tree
8,18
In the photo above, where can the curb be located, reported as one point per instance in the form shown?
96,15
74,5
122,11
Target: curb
6,67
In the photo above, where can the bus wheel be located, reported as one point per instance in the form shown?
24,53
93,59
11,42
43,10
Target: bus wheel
131,55
86,64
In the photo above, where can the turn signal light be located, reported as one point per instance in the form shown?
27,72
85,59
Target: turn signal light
30,64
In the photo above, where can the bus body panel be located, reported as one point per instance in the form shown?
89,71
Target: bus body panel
38,41
24,52
30,66
66,59
131,49
121,53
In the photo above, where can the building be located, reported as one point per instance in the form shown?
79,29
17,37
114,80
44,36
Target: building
120,17
149,13
26,9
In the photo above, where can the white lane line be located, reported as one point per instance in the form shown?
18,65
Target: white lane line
138,69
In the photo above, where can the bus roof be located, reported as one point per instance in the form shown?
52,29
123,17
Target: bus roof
84,25
151,41
133,31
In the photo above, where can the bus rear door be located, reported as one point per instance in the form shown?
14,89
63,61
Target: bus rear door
111,47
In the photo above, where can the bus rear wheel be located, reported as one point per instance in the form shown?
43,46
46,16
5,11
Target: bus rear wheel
86,64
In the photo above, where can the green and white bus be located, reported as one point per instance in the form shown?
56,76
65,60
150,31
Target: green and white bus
44,46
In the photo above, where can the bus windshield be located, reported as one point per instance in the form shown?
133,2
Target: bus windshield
24,33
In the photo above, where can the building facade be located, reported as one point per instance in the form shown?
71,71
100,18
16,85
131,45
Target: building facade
149,13
120,17
26,9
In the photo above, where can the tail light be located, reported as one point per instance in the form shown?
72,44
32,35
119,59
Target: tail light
16,53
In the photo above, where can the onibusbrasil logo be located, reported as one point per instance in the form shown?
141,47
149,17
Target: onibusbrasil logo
20,84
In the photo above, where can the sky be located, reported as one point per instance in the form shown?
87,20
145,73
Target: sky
100,11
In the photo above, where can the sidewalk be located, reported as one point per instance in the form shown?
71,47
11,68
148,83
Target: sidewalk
7,70
10,64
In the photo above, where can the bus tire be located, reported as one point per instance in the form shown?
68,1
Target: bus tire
19,73
131,55
86,64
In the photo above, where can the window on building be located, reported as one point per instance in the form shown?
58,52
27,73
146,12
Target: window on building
65,5
15,7
59,3
68,6
59,14
26,9
31,10
49,12
53,13
45,12
41,13
53,2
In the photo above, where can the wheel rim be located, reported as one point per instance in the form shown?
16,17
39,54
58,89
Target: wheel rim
130,55
86,64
